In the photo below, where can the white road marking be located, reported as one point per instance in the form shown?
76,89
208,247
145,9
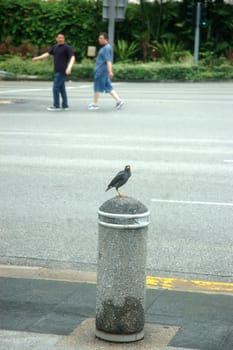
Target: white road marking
172,201
41,89
228,161
24,90
153,140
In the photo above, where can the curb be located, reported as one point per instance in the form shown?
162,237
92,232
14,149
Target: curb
68,275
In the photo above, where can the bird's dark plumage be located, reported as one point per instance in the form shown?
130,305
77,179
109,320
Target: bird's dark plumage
120,179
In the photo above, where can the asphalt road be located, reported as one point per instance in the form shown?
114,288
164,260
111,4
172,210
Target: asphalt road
55,166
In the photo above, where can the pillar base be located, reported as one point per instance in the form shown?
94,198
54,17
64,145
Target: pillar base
119,338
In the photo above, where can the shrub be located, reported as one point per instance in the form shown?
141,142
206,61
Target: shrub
169,51
124,51
18,66
136,71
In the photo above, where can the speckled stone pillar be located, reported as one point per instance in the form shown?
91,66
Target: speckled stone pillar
120,299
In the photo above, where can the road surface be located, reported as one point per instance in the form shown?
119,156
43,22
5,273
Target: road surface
55,166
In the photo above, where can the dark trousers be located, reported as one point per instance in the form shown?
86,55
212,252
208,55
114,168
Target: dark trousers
59,88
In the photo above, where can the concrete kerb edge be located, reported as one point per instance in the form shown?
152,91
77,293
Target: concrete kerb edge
152,282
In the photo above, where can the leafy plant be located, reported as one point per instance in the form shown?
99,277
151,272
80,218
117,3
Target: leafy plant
124,51
170,51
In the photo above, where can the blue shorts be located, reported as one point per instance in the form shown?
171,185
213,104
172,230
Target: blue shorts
103,84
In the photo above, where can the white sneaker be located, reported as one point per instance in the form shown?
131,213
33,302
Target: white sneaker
54,109
92,106
119,104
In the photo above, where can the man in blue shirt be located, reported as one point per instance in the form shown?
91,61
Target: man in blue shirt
63,62
103,74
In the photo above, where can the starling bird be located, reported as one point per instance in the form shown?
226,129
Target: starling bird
120,179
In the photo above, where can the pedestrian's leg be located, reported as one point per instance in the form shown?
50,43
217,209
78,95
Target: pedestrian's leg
94,104
109,88
119,101
115,95
97,89
56,89
63,92
96,97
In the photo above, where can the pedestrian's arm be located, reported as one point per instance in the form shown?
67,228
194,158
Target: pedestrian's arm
41,57
109,66
70,65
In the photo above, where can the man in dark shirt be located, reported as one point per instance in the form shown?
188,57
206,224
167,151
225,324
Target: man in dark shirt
63,62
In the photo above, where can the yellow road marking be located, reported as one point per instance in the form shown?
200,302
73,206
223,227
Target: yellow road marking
186,284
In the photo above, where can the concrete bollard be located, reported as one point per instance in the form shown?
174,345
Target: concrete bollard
121,271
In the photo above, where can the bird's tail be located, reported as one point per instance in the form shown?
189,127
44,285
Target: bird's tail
108,188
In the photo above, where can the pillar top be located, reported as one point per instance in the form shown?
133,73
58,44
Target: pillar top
123,205
123,213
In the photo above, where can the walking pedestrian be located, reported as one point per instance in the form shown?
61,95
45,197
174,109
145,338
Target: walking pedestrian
103,73
63,62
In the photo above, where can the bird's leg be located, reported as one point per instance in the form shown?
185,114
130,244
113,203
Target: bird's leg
120,194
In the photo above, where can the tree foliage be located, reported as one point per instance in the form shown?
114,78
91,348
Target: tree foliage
31,26
38,22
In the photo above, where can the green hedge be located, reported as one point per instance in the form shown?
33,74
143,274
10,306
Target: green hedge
159,72
19,66
124,72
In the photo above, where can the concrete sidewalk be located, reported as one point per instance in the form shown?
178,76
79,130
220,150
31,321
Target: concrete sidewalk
49,314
